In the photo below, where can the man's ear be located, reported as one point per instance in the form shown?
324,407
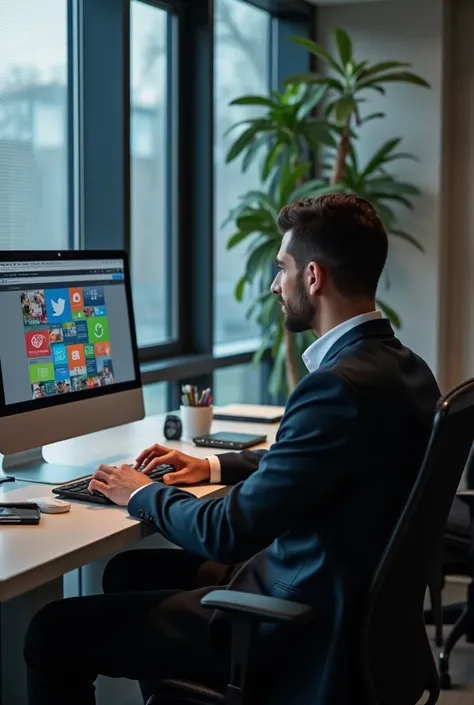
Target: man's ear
315,278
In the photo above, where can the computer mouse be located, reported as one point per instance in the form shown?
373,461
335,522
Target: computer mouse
51,505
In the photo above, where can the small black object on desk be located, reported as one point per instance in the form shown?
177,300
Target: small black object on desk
173,428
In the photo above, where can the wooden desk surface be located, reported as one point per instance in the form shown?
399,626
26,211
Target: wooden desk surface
31,556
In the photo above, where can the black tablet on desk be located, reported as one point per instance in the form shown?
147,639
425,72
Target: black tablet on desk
229,441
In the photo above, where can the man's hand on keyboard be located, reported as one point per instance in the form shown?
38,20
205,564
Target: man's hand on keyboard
188,470
118,483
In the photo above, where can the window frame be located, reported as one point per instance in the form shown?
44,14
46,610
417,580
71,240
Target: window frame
171,346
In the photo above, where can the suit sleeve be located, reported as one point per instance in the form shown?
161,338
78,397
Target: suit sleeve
307,465
237,467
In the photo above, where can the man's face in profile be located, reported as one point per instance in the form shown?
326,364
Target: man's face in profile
289,286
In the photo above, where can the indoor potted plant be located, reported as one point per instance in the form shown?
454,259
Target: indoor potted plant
306,143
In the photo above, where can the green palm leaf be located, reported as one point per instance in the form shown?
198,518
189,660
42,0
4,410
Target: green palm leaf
382,68
237,238
313,97
343,109
318,51
253,150
409,238
344,45
243,141
399,77
392,316
380,155
255,100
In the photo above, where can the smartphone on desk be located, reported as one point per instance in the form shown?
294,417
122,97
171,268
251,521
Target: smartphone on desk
21,513
229,441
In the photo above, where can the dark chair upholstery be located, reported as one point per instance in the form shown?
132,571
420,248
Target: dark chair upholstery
457,558
454,559
394,656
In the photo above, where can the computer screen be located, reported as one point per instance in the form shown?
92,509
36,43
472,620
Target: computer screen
67,330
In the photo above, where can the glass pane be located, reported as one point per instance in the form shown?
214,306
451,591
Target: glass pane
156,399
242,66
240,384
33,125
149,172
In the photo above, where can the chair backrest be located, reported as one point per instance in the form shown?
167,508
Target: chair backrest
397,665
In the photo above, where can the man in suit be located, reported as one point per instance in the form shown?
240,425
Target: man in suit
308,520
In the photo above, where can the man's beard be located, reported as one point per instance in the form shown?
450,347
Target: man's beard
299,311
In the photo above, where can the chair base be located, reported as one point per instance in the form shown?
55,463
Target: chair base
464,626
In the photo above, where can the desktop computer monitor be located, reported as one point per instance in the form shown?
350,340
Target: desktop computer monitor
68,355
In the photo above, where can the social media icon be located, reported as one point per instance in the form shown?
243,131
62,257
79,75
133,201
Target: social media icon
38,340
102,349
58,306
41,372
59,354
76,357
93,296
76,301
37,344
98,329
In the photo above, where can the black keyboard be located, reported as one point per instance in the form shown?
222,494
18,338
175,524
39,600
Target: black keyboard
79,489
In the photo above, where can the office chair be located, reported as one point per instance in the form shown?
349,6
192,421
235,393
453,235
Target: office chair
394,658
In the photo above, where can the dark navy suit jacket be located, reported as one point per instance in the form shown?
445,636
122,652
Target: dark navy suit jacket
311,517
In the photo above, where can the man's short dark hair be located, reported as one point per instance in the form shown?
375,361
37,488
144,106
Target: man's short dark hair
342,233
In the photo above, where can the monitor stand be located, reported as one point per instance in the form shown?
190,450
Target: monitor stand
31,466
5,478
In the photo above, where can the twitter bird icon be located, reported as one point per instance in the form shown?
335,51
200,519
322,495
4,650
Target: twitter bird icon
58,307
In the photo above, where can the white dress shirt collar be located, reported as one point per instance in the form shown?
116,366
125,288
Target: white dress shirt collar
314,355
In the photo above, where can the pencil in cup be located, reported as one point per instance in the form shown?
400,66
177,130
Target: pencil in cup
190,396
195,411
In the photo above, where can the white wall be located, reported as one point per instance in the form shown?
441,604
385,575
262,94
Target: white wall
458,256
407,30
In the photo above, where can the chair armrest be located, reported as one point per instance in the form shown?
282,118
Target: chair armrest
246,612
466,496
265,609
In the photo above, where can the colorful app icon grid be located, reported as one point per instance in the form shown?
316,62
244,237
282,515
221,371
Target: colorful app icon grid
67,339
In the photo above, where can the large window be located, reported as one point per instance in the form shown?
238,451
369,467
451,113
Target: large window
238,384
155,398
150,183
33,125
76,76
242,66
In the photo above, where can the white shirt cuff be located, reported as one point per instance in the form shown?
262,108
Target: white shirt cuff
136,491
214,477
215,468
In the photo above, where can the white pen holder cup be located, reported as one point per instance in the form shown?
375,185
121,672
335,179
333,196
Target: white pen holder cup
196,421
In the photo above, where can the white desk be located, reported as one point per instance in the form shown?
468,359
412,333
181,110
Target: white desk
34,559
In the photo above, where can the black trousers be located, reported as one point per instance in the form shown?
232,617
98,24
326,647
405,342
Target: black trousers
149,625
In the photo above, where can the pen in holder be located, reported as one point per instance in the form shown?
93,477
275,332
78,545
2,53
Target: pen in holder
195,411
